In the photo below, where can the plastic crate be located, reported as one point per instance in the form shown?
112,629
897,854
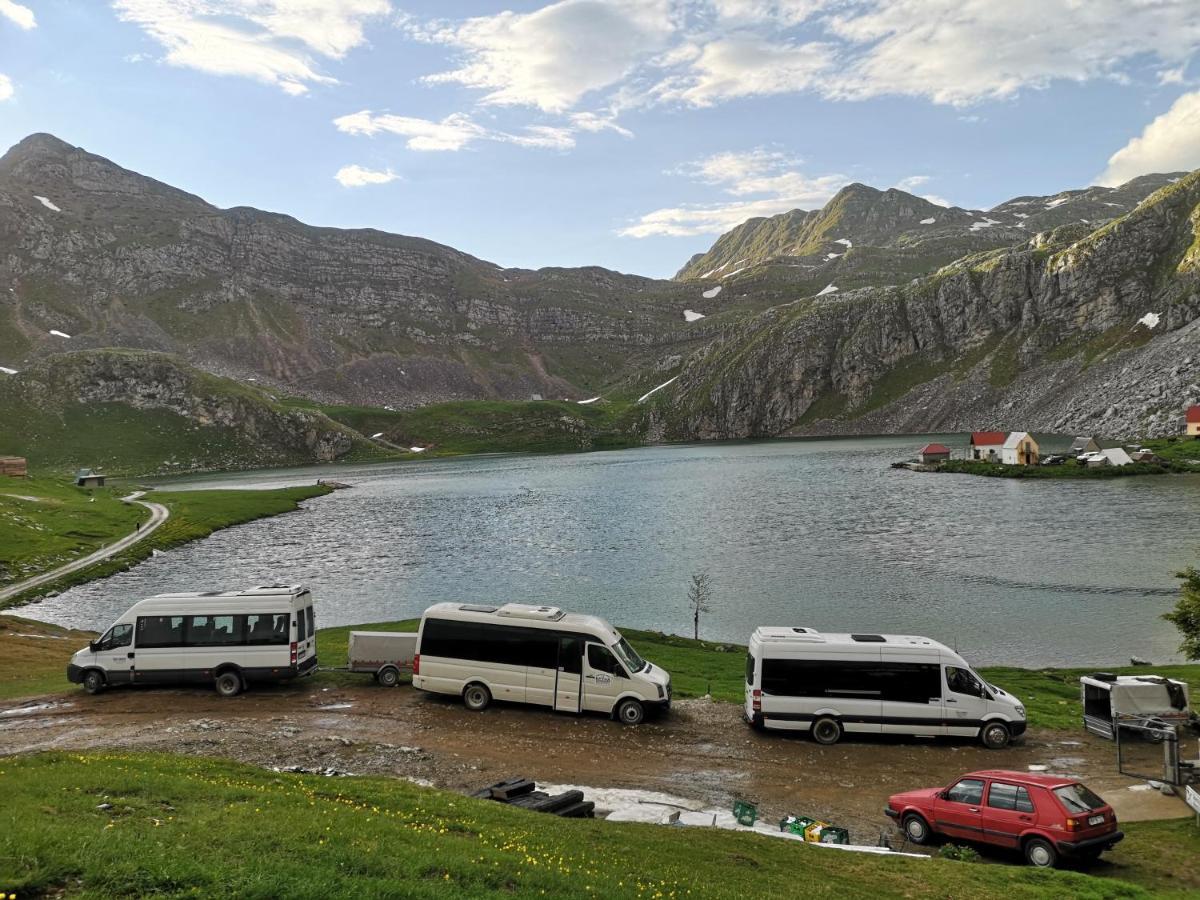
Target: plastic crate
745,813
832,834
812,833
795,824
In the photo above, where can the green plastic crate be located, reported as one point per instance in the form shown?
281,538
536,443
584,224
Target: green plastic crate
832,834
795,824
745,813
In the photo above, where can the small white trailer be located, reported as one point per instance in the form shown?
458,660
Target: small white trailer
1112,700
384,654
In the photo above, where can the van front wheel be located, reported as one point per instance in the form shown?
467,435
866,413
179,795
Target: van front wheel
229,684
995,736
93,681
826,731
630,712
476,697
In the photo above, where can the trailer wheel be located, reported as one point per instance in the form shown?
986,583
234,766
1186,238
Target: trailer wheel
388,676
995,735
229,683
826,731
93,681
630,712
476,697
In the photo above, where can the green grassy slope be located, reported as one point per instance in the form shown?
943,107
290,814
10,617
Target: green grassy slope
497,426
181,827
63,524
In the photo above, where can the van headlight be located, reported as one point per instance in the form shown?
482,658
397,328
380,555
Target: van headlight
1020,710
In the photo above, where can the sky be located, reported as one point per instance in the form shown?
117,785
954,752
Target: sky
622,133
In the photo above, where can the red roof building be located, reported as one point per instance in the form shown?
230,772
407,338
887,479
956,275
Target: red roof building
934,453
988,438
1193,420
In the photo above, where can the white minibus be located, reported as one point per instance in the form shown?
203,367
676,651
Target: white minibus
535,654
798,679
228,640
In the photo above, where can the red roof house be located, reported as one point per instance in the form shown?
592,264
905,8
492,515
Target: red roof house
934,453
986,445
1193,420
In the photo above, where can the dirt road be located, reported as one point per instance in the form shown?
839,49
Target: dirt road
701,751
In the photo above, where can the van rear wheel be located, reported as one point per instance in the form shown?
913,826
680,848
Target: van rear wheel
93,681
630,712
477,697
389,676
995,736
229,684
827,731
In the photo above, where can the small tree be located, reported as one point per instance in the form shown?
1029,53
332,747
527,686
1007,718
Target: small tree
1186,614
699,596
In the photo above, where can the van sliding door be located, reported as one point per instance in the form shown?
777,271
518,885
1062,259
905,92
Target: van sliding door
568,687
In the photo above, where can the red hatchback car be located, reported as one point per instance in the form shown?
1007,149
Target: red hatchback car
1043,816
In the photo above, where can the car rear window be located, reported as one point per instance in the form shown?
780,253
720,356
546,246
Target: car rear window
1076,798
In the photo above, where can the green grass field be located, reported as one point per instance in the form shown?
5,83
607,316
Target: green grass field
125,825
65,523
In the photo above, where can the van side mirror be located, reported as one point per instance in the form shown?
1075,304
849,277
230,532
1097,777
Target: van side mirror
92,645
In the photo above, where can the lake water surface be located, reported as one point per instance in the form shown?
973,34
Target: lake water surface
816,532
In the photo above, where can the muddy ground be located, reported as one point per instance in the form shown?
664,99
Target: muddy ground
701,750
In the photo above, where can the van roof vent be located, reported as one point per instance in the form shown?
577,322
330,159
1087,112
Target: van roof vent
477,607
776,633
526,611
868,638
272,589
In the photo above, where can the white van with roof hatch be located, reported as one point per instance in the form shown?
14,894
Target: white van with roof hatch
225,639
798,679
535,654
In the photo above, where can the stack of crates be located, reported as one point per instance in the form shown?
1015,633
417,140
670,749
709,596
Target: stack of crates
795,824
814,830
745,813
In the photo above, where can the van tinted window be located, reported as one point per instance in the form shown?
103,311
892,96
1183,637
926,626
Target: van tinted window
482,642
601,659
312,620
897,682
215,631
749,668
159,631
118,636
301,626
267,628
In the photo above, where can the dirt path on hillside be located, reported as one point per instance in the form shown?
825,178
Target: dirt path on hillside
701,751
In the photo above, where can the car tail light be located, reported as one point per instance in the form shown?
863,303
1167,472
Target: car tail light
756,700
417,664
1073,825
293,653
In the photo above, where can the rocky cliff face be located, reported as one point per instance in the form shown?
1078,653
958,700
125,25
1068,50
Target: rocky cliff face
1077,330
144,412
116,259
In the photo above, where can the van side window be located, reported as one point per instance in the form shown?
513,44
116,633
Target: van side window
961,681
899,682
215,631
601,659
118,636
267,628
160,631
969,790
749,668
301,626
312,621
1009,796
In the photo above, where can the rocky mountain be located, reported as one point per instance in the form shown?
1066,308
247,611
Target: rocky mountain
1078,329
136,412
867,237
115,259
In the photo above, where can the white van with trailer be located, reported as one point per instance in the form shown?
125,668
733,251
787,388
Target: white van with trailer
535,654
224,639
798,679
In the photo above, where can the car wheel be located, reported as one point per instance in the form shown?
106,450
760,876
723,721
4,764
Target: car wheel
826,731
229,684
916,829
630,712
477,697
1040,853
388,676
995,735
93,681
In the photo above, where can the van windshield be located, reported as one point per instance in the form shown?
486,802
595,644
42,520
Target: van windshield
629,656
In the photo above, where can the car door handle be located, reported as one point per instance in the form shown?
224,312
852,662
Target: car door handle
1025,818
951,700
973,808
593,677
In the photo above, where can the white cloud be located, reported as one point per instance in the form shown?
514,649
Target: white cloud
740,174
554,56
1168,144
271,41
592,121
746,65
22,16
6,88
357,176
452,133
911,182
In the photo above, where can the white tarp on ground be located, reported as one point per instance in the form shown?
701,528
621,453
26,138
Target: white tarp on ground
657,808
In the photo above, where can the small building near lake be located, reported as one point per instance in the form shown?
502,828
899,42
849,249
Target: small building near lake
1084,444
985,446
1020,449
14,466
1192,418
933,453
88,478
